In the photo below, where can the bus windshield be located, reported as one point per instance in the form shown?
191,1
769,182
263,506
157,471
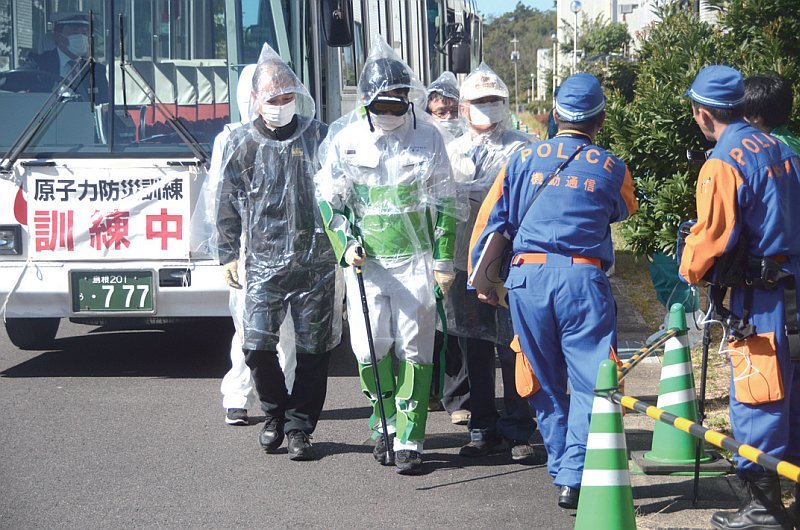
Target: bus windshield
178,64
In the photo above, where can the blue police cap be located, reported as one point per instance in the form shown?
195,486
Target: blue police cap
718,86
579,98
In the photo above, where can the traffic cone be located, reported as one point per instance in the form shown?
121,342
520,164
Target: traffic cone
606,498
672,450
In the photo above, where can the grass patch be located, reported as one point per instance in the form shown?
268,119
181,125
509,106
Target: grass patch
534,123
633,274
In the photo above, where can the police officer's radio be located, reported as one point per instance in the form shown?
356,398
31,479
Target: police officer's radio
738,269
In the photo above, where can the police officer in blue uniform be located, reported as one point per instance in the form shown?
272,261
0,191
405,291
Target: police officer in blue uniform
560,299
747,194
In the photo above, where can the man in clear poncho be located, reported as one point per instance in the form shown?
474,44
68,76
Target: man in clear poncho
267,196
450,380
387,198
237,384
482,329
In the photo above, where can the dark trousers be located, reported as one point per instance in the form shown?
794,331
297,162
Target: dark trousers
301,408
516,423
455,394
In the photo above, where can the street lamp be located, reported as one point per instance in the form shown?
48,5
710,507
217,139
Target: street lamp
575,6
554,37
533,88
515,60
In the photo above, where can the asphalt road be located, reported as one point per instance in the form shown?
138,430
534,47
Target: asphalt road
116,429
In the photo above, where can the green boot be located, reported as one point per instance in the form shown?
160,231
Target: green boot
413,394
386,377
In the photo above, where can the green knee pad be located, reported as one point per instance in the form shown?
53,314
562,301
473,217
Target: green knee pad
386,377
413,393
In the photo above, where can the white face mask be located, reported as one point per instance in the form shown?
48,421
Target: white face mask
454,127
278,115
487,113
387,122
78,44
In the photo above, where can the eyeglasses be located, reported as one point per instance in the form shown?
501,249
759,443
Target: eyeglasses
446,112
388,105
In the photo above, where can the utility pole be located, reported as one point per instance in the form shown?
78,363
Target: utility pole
554,36
515,60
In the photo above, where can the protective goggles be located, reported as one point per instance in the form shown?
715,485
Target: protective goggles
388,105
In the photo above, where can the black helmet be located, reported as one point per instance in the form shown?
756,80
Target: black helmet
380,75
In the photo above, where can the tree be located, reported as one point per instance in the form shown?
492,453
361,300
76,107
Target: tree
762,36
532,28
606,39
597,36
652,132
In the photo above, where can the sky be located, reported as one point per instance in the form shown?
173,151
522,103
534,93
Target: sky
498,7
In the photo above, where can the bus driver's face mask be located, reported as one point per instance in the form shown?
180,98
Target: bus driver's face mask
487,113
78,44
278,115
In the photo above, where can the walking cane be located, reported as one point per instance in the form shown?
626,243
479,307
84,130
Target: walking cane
389,458
701,403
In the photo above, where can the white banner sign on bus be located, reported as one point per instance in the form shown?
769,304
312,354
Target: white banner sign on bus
136,213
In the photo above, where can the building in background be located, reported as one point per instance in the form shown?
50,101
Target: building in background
638,15
544,72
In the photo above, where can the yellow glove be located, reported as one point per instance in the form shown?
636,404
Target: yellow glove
444,280
355,255
232,274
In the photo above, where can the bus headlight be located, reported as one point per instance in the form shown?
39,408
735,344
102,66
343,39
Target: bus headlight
10,240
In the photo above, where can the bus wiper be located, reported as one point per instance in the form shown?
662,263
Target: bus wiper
122,71
178,126
60,94
91,62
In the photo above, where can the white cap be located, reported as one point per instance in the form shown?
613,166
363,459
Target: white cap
483,82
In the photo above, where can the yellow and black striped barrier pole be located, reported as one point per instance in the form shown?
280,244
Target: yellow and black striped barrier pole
643,353
784,469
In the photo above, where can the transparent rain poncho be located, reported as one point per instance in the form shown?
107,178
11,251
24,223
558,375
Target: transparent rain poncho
267,198
446,85
486,150
389,188
204,217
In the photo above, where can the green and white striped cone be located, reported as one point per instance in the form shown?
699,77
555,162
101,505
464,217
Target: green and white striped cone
606,498
676,395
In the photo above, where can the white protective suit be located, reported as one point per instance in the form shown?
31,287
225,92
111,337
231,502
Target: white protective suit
391,192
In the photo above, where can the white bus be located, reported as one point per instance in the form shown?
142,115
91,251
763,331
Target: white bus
103,159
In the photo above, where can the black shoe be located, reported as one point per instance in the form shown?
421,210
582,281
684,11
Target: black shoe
479,448
408,462
300,447
236,417
762,509
568,497
381,453
271,435
434,405
524,453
